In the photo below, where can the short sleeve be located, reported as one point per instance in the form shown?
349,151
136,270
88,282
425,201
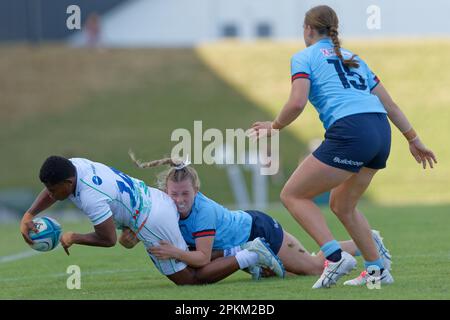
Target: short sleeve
205,223
300,66
95,205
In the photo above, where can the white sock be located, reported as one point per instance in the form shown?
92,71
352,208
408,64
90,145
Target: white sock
231,251
246,258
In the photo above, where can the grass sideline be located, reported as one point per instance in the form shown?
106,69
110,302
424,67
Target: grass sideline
416,236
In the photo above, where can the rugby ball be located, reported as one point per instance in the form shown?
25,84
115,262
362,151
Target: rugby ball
48,235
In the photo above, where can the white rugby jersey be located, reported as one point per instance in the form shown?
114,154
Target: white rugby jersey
102,192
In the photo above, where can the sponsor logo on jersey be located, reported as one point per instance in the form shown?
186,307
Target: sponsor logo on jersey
97,180
327,52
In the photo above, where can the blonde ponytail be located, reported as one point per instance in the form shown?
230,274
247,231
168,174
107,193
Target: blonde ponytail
178,171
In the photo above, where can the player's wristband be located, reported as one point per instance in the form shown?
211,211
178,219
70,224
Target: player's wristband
410,135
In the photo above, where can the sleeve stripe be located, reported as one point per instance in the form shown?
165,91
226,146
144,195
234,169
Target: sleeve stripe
377,81
100,217
204,233
298,75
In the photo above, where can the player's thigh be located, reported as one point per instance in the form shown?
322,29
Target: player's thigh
345,196
296,259
313,177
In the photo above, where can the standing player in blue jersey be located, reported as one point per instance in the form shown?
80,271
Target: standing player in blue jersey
111,199
352,104
210,228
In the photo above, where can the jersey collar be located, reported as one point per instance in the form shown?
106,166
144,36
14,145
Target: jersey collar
324,40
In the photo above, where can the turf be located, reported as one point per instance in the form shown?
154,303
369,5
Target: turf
97,104
416,236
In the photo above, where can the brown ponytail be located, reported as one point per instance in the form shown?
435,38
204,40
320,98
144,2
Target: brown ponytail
325,21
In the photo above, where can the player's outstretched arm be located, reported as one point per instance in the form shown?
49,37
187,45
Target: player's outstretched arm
103,236
418,150
42,202
291,110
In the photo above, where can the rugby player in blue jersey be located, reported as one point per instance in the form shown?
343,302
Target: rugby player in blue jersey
354,108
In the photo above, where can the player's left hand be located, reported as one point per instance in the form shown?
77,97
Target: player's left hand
421,153
164,251
66,241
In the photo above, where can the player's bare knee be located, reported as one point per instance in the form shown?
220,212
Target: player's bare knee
285,198
340,209
288,199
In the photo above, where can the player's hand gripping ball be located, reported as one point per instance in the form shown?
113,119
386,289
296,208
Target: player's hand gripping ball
48,235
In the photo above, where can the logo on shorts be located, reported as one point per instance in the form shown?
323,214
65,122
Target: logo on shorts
347,162
275,223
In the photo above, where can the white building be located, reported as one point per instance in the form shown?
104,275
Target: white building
189,22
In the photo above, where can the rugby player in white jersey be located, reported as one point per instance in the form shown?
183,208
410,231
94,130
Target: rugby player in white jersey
112,199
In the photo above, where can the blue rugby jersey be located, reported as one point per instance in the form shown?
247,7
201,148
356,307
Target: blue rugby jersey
336,91
208,218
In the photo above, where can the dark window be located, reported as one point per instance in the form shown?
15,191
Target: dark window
229,30
263,30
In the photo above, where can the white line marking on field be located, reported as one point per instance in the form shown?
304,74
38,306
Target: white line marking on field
22,255
18,256
63,274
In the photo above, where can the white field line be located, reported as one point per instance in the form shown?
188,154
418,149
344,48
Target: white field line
22,255
18,256
31,253
88,273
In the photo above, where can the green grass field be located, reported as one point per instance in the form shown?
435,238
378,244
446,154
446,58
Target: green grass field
99,103
416,236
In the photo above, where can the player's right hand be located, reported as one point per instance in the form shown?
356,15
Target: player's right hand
67,241
27,225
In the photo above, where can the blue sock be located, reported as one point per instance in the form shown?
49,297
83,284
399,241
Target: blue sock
378,264
332,250
357,253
